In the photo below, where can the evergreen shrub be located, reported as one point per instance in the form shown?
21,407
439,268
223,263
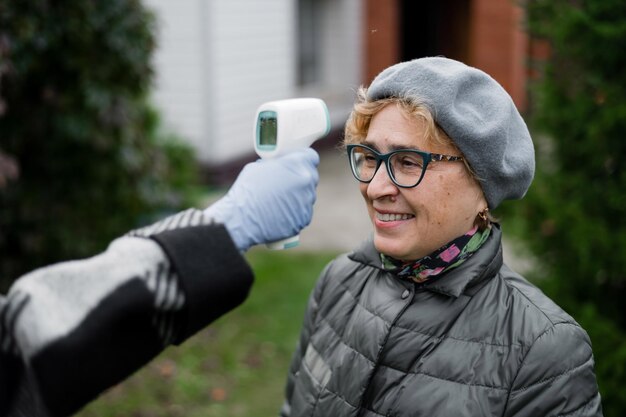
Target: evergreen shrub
75,116
574,215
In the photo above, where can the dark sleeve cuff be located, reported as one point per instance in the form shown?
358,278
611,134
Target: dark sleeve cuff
214,276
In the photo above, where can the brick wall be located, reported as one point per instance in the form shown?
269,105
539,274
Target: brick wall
496,42
381,33
498,45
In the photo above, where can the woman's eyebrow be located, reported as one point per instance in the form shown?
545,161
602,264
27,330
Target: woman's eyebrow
390,149
369,144
398,147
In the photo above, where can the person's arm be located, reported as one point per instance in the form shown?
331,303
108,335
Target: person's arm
76,328
71,330
556,377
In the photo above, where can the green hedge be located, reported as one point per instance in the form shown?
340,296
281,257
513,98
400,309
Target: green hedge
577,203
74,114
574,216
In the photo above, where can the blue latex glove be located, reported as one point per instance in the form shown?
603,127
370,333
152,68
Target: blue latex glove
271,199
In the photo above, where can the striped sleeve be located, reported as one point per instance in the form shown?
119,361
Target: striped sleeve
187,218
110,314
165,286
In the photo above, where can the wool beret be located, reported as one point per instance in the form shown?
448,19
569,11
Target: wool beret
475,112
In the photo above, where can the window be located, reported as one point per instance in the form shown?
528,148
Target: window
309,23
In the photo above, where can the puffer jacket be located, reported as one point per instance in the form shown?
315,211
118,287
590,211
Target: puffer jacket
478,341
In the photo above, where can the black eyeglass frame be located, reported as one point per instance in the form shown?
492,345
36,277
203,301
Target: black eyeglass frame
427,157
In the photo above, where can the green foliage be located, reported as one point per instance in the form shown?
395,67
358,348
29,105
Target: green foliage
74,114
236,367
574,216
577,203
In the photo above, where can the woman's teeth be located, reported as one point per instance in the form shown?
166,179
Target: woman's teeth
387,217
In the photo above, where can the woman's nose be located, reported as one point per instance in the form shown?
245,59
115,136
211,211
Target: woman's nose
381,185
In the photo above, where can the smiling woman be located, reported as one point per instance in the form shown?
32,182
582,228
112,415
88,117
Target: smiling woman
425,318
409,223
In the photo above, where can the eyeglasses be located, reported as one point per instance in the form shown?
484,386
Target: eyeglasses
406,167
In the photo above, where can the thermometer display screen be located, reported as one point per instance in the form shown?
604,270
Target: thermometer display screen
268,128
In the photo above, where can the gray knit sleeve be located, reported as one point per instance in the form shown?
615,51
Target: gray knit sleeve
187,218
109,314
165,283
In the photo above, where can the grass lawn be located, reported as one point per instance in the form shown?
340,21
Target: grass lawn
238,365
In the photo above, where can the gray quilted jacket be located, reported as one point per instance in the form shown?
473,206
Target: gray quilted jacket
478,341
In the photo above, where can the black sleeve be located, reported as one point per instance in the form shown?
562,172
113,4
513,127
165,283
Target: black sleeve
214,276
71,330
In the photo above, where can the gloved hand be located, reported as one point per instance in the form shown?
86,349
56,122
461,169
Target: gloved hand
271,199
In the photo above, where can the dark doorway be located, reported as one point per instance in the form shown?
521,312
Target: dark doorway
430,28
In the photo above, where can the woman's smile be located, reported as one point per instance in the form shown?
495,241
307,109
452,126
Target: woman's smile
390,219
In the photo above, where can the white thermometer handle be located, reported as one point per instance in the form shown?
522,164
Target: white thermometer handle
283,126
290,242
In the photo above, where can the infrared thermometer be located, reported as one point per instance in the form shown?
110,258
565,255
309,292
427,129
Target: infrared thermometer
283,126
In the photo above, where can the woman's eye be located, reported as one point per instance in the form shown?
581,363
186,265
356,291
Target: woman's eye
411,162
369,159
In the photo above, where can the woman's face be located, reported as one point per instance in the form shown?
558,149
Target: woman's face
410,223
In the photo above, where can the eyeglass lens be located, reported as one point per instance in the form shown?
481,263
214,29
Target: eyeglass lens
405,168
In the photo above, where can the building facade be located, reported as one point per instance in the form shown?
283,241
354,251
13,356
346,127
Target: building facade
487,34
218,60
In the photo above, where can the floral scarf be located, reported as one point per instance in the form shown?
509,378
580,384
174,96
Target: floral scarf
443,259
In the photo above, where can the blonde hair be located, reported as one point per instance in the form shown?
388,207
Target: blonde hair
365,109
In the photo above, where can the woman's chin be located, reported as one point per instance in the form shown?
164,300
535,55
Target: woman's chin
390,247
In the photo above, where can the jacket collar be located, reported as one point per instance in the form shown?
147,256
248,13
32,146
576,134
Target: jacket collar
483,265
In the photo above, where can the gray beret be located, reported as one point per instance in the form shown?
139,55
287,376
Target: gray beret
476,113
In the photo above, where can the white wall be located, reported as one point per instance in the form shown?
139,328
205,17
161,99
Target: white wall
252,53
178,63
218,60
343,60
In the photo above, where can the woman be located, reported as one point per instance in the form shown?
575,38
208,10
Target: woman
425,319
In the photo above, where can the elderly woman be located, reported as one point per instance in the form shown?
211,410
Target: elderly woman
426,319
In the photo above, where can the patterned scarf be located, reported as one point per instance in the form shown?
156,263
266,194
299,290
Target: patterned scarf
443,259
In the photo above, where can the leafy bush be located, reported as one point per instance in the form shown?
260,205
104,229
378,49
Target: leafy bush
74,115
575,213
577,203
